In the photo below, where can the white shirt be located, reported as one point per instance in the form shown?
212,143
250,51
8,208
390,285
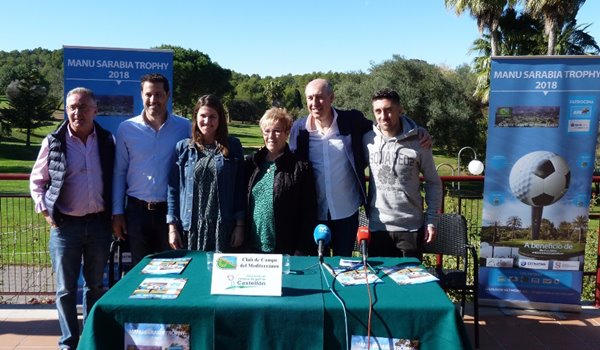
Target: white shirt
335,180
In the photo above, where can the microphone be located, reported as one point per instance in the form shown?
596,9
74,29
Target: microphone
363,236
322,235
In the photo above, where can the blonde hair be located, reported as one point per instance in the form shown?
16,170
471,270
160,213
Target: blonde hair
273,116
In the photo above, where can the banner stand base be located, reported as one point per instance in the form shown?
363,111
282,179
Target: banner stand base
517,304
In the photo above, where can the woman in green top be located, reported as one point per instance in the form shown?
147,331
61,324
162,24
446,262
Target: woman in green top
281,193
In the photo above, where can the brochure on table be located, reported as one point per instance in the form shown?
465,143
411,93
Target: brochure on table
409,274
157,336
352,272
159,288
247,274
164,266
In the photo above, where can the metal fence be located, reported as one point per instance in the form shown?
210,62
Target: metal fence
24,259
25,262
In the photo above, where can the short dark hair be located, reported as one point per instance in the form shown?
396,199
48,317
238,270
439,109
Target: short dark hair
155,78
387,94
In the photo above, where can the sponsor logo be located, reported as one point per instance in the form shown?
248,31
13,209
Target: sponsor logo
580,111
499,262
579,125
565,265
533,264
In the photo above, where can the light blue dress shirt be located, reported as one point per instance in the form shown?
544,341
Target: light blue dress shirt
144,157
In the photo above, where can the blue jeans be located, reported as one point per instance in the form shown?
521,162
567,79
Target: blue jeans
343,234
74,242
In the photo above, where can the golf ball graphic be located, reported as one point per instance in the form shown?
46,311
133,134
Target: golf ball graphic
540,178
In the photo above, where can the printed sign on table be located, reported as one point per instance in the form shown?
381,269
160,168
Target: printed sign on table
247,274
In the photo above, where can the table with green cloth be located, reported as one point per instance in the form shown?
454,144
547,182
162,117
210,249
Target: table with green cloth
306,316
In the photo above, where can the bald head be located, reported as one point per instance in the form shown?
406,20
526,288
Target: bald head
321,84
319,98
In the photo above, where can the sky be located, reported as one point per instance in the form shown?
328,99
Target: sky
265,37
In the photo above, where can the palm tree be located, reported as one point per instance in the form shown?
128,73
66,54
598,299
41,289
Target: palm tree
482,67
575,40
486,12
554,14
520,34
514,223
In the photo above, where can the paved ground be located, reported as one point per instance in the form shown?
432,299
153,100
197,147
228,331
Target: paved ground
34,327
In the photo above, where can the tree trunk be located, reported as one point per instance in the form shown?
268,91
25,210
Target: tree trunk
28,140
551,41
494,42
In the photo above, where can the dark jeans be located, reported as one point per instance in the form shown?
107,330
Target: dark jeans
147,230
343,234
75,242
397,244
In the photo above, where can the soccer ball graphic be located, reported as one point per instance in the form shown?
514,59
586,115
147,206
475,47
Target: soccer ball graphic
540,178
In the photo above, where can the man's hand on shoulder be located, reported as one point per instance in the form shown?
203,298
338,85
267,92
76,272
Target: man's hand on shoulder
424,138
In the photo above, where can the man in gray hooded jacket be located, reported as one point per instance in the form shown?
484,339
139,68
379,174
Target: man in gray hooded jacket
396,160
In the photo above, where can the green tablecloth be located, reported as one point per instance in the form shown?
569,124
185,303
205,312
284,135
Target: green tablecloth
307,316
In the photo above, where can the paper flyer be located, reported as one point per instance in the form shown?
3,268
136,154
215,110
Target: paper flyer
166,266
361,342
159,288
157,336
354,276
409,275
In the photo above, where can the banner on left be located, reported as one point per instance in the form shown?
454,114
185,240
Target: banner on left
114,75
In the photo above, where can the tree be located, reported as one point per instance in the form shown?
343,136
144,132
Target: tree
29,102
514,223
486,12
554,14
292,100
194,75
575,40
581,225
5,129
274,92
434,97
242,110
520,34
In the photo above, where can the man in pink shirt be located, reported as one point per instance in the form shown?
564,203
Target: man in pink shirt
71,185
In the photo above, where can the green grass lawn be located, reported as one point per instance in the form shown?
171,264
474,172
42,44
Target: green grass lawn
15,157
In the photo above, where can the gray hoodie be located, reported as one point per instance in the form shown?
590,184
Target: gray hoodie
394,187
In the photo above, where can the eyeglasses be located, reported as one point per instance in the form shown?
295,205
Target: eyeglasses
268,132
81,108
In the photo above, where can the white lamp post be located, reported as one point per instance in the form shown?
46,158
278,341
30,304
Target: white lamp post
475,166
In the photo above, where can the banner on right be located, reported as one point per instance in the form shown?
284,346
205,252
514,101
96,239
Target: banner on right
542,131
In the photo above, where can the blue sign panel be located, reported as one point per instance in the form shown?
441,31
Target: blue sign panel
543,123
114,76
